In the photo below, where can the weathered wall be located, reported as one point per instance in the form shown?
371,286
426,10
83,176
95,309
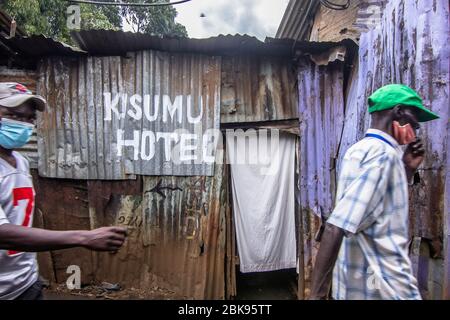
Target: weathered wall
26,77
256,88
180,234
176,231
335,25
79,142
321,109
79,135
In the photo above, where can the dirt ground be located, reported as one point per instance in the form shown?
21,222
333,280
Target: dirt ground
277,285
61,292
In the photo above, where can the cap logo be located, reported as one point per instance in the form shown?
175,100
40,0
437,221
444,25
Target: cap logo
20,88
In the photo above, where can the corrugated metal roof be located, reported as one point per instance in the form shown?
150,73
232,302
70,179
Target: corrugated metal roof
297,19
109,42
36,46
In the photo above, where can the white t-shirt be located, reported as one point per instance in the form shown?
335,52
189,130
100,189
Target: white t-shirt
18,270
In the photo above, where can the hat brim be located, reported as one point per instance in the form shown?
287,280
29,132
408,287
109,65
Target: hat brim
425,115
18,99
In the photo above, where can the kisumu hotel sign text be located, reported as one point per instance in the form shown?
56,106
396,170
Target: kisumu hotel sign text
183,139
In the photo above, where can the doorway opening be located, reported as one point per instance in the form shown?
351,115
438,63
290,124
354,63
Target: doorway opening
264,221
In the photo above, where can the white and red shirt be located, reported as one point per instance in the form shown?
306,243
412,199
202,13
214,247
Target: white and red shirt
18,270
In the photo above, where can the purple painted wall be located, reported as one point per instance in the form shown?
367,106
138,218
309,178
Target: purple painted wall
321,115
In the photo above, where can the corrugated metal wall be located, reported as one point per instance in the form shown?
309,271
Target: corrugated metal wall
79,142
176,231
256,88
446,239
178,225
411,47
321,109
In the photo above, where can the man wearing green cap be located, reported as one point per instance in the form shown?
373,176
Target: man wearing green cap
364,245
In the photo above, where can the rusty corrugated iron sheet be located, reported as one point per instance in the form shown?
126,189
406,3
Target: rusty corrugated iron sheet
176,234
321,114
321,109
36,46
109,42
80,141
63,204
257,89
176,226
71,143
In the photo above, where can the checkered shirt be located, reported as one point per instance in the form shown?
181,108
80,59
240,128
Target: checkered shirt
372,209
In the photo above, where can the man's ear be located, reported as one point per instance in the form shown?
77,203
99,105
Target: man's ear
398,112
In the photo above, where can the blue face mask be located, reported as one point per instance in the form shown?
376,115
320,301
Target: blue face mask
14,134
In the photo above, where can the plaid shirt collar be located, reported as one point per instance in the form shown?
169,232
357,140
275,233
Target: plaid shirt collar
385,136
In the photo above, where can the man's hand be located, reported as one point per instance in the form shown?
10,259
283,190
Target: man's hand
105,239
413,157
414,154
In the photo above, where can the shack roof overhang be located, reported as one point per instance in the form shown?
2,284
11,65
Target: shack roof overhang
37,46
26,51
108,42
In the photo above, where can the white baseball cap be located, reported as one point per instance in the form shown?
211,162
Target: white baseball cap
13,94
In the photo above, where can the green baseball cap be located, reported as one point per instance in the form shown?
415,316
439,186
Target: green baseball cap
389,96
